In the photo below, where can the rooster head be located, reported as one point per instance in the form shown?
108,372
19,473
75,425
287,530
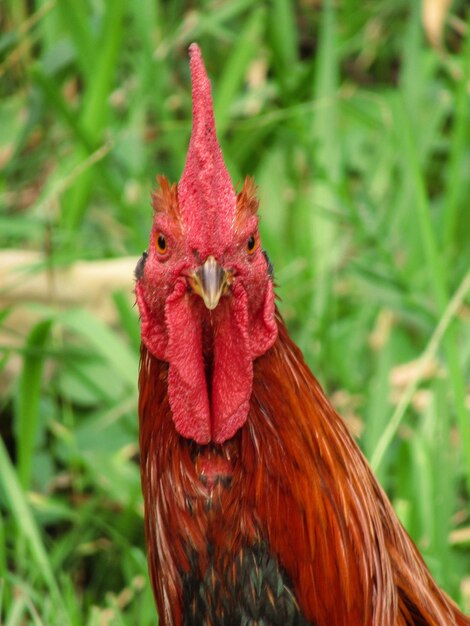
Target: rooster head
204,287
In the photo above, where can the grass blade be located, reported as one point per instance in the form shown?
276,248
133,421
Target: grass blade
26,524
96,106
235,70
430,351
28,397
111,347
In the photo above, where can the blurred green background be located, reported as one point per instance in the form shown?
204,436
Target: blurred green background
354,118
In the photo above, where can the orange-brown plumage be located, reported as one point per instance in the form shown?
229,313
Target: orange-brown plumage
300,482
259,505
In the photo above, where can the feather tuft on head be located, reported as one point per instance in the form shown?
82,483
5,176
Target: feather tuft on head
165,198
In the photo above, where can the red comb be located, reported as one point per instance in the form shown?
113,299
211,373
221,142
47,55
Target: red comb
205,192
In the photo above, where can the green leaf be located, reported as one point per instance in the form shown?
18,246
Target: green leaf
120,358
29,394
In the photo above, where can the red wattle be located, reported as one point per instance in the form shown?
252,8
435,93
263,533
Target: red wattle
232,378
187,387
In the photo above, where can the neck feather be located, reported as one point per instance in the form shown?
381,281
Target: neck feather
300,483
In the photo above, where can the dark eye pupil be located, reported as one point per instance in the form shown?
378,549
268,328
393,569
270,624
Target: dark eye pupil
251,243
161,242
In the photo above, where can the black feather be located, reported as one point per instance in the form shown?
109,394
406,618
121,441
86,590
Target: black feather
253,592
270,265
139,268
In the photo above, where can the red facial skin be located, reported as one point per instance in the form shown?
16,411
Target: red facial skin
210,353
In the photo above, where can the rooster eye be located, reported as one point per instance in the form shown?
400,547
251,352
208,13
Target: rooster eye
160,243
251,244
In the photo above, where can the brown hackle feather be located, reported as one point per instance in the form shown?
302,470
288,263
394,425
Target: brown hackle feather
165,198
299,483
247,201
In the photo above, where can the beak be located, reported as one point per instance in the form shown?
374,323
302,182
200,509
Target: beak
210,281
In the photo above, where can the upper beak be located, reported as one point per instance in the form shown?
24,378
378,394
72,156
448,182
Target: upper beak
210,281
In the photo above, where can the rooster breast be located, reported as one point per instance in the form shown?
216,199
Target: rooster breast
251,589
233,578
209,557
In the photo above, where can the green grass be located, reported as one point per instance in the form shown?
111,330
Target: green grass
358,133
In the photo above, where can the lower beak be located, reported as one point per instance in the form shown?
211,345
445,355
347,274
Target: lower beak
210,281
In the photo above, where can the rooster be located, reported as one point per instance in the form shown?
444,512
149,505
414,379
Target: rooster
260,509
